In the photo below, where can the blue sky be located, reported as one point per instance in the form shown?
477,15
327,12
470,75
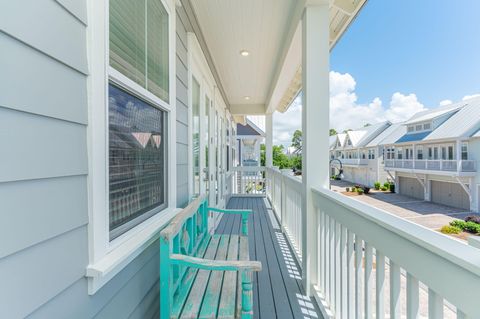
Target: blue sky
427,47
398,58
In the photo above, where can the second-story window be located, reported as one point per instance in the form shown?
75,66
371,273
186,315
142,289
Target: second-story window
420,153
464,151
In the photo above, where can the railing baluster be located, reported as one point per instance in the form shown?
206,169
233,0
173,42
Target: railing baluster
394,290
327,276
358,276
321,264
380,285
332,263
343,277
368,281
413,309
435,305
350,274
338,269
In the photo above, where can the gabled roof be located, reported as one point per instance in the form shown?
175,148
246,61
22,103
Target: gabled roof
434,113
462,124
249,129
396,132
361,137
378,140
341,138
333,141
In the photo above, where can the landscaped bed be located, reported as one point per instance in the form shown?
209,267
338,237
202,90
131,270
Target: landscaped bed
463,228
360,190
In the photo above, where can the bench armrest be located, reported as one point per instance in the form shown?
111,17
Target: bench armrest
243,212
223,265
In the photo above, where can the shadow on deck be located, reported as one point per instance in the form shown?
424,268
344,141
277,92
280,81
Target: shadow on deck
278,290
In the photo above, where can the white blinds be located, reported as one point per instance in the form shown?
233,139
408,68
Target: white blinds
139,43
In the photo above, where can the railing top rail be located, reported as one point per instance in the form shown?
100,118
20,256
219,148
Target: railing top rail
248,168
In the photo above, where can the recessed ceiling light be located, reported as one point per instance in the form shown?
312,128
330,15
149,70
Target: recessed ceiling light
246,98
244,53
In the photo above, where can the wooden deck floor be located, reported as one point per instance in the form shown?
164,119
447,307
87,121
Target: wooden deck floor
278,291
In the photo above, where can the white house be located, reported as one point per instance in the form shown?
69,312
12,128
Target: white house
436,159
360,153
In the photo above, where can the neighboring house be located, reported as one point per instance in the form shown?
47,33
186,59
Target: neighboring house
360,154
249,137
436,159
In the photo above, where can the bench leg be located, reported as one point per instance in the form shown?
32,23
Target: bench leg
247,295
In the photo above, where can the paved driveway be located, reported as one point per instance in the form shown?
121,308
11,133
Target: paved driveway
428,214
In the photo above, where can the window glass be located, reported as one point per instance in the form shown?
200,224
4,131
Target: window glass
420,153
196,135
139,43
450,152
137,160
464,151
426,126
418,127
410,129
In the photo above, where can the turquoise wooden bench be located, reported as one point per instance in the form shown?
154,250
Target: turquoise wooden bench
205,275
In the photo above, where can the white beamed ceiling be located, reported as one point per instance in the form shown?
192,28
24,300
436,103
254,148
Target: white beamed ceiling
260,27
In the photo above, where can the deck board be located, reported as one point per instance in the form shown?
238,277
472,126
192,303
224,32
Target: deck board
278,291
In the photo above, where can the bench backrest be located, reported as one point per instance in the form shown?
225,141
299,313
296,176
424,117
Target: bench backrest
184,235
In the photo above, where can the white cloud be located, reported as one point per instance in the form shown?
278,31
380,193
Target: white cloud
466,97
445,102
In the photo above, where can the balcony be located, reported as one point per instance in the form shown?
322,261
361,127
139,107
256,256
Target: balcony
354,161
459,166
364,261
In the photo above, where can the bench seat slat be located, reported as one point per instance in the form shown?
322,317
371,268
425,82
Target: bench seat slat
193,302
227,307
187,281
212,294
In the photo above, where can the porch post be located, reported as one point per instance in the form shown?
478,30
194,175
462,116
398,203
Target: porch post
268,140
315,125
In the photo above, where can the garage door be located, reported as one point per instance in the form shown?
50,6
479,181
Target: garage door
411,187
450,194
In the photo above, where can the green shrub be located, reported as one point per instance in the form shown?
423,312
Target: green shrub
386,185
377,185
383,188
470,227
360,191
448,229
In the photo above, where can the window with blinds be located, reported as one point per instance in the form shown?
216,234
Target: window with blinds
139,43
137,161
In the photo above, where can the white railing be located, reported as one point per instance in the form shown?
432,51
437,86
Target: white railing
354,161
248,180
370,262
285,193
434,165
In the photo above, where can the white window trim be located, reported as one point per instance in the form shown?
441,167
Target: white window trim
107,258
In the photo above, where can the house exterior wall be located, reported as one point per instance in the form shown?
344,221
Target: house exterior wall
44,190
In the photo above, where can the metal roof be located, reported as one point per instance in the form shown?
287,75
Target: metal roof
360,137
463,123
434,113
415,137
379,140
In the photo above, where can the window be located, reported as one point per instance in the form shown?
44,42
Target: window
196,136
399,153
138,52
464,151
450,152
137,161
427,126
418,127
410,128
435,153
430,153
139,43
420,153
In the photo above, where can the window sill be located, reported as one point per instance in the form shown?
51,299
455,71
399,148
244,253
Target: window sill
101,272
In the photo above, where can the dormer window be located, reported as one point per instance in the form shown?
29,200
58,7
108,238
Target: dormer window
418,127
427,126
410,129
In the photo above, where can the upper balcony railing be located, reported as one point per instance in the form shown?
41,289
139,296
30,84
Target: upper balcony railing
247,180
366,261
433,165
354,161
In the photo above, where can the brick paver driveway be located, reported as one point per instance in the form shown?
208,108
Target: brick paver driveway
428,214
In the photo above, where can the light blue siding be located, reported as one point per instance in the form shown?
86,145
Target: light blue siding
44,167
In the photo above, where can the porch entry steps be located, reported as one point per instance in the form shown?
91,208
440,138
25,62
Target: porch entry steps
277,289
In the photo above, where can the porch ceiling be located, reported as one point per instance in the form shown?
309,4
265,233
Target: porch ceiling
266,29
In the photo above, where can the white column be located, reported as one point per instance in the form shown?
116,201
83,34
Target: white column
268,140
315,125
458,155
